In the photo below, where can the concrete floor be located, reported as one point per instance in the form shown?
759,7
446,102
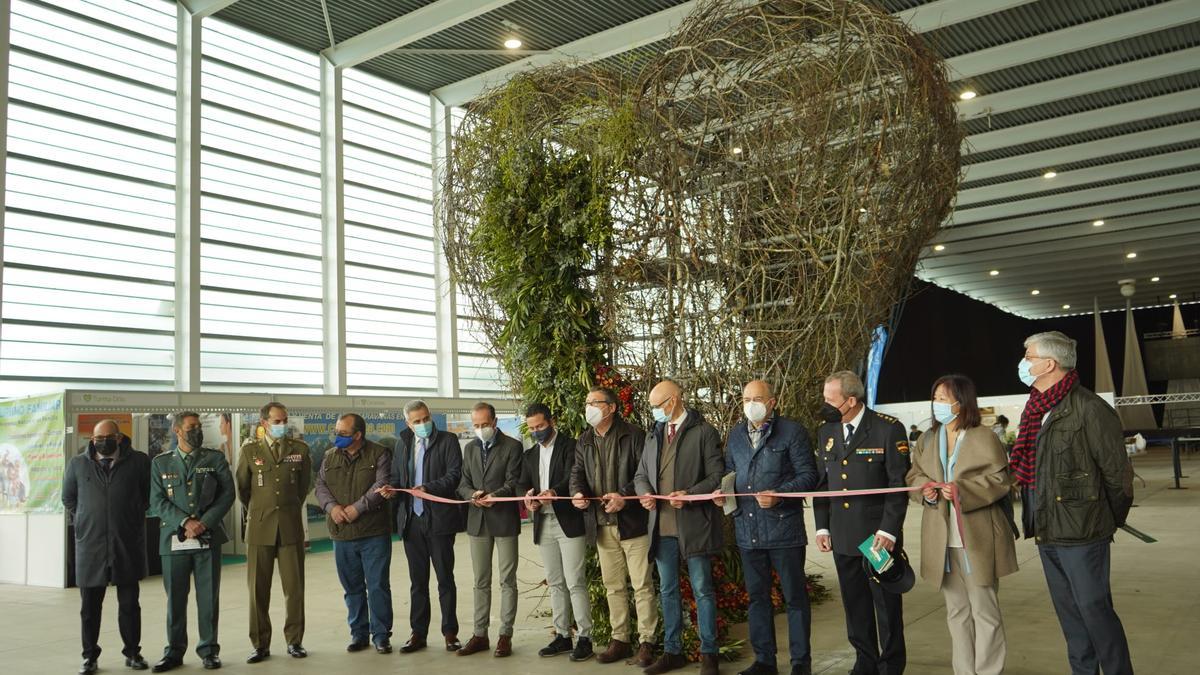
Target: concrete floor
1155,587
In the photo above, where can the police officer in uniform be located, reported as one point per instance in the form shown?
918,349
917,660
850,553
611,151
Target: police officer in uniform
858,449
191,490
274,475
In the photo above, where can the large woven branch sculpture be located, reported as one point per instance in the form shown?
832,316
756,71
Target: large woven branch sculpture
769,183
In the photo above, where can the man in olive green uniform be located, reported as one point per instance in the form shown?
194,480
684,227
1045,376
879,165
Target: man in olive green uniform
274,474
191,490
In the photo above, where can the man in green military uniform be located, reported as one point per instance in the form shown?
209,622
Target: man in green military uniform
274,475
191,490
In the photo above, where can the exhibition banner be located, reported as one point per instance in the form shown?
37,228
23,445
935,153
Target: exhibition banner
31,454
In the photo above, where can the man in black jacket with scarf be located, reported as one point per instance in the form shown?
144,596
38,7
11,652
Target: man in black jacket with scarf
106,491
682,457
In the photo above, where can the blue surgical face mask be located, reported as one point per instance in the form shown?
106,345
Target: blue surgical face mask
343,442
278,430
944,412
1023,369
423,430
659,415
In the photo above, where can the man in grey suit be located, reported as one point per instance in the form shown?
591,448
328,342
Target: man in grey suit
492,468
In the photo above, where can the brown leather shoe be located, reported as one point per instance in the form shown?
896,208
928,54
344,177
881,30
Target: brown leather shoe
503,646
709,664
645,655
452,643
475,644
616,651
666,663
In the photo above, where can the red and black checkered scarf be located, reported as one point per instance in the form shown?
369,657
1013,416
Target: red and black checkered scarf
1024,453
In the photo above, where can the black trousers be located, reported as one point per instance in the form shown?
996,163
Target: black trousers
129,618
1078,579
878,650
421,548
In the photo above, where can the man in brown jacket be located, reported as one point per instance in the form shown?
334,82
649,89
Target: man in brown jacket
347,488
273,478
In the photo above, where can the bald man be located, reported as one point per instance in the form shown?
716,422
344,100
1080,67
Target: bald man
682,456
770,453
106,491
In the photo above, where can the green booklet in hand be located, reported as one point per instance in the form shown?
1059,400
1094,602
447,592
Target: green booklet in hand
880,559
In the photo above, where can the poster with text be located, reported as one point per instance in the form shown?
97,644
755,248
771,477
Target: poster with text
32,454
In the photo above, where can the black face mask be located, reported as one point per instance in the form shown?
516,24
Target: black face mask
106,447
829,413
194,437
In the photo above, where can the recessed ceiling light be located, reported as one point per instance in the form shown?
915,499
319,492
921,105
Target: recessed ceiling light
1154,279
940,247
1173,296
1066,307
966,95
1035,292
1131,255
737,150
1050,174
1097,223
512,43
994,273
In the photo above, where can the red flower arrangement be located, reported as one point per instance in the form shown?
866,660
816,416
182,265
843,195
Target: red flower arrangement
611,378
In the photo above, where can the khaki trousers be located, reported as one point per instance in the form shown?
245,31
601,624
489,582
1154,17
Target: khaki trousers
621,560
976,627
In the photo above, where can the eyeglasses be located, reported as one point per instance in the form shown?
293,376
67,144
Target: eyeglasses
110,437
597,404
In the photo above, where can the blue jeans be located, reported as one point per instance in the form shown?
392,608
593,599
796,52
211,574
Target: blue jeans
789,563
666,556
364,568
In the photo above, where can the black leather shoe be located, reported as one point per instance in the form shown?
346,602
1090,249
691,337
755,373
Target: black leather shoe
805,669
357,646
759,668
258,656
560,645
414,644
296,651
212,662
384,647
136,663
166,664
88,667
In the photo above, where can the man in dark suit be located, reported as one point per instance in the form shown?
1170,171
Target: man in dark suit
860,449
492,468
106,491
558,531
428,459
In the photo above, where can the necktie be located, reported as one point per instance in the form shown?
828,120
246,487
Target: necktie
485,448
849,432
671,434
419,477
107,463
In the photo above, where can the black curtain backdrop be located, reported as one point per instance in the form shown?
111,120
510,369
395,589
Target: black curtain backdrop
942,331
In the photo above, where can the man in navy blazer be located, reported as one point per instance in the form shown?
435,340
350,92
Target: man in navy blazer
428,459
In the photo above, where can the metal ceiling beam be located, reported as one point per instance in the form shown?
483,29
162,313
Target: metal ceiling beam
1178,133
202,8
1075,38
949,12
1092,174
658,26
1180,101
1101,79
1083,214
1068,200
1069,231
406,29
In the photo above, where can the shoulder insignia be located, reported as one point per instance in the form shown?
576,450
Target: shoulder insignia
886,418
902,447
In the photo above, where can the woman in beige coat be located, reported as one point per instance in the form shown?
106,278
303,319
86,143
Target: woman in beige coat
967,566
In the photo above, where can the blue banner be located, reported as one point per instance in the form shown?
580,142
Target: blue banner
875,363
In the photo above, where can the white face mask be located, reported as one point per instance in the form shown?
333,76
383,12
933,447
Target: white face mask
593,415
756,411
485,434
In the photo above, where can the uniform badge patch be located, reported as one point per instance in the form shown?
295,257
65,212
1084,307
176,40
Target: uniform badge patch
258,461
902,447
869,451
293,458
829,444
